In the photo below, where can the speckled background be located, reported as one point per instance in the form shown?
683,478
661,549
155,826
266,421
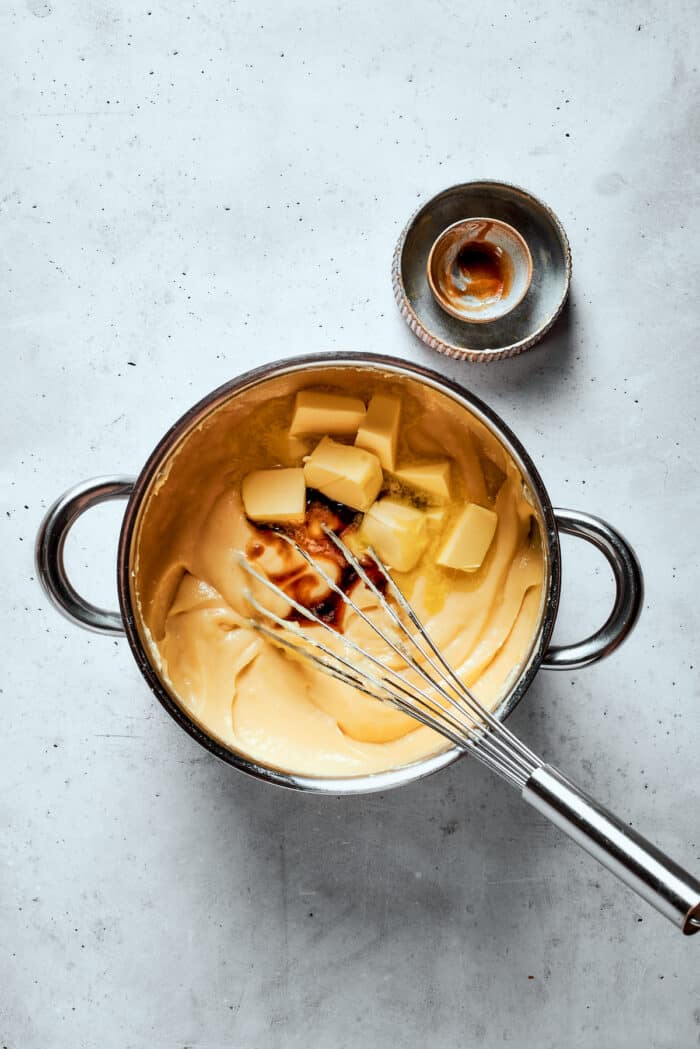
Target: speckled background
189,190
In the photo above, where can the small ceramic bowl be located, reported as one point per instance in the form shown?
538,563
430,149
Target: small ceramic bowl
479,269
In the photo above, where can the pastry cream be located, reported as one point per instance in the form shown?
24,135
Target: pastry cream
277,709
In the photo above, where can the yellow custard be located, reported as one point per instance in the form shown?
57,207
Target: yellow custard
458,495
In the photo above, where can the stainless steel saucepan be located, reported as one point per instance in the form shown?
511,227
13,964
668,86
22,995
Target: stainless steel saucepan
175,461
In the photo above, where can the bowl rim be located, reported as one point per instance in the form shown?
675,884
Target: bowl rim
444,303
449,349
195,416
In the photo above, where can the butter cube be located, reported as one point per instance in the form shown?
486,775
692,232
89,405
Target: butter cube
288,450
430,477
397,532
468,539
379,431
275,496
319,412
344,473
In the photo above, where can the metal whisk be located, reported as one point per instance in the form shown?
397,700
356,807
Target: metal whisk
428,689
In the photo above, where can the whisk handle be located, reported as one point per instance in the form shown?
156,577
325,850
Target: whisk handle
639,864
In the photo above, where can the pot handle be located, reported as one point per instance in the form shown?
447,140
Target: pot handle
50,541
629,592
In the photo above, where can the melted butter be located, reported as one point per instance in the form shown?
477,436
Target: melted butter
280,710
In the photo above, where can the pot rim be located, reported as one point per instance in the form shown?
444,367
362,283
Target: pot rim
194,416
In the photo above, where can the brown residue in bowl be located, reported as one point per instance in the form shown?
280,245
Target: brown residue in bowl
481,271
298,582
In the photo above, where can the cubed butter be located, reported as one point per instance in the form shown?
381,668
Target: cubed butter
397,532
429,477
344,473
319,412
468,539
275,496
379,431
288,450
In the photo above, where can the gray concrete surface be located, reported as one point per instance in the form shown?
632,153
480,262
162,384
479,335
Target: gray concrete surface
189,190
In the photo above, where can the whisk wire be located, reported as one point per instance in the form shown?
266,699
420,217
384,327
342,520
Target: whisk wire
456,720
412,615
381,690
471,736
404,699
444,703
455,681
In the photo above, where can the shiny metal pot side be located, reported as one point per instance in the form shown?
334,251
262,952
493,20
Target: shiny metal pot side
63,514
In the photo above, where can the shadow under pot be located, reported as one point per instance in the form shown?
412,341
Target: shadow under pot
217,442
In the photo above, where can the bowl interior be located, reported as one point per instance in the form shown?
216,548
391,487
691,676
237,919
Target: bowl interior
523,326
479,269
168,498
